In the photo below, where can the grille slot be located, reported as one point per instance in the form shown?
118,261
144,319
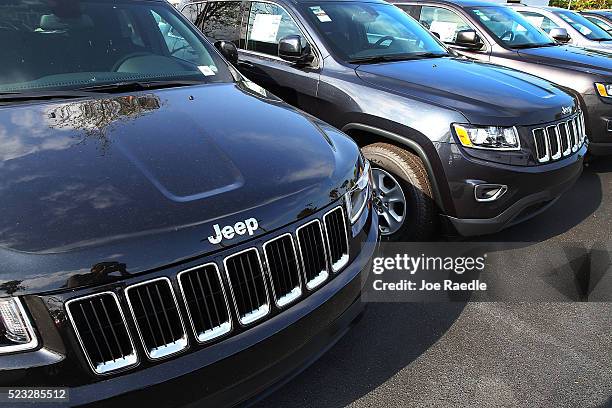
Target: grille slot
206,302
101,330
554,142
337,238
247,285
559,140
284,269
313,254
158,320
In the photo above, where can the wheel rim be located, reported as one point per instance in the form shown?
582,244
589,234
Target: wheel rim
389,201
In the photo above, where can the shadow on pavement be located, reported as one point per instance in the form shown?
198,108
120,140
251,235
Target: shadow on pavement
388,338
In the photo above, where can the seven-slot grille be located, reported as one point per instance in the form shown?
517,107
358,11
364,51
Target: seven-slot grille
158,320
248,285
337,238
206,301
559,140
313,253
284,269
102,332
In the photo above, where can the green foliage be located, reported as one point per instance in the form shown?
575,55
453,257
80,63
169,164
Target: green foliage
583,4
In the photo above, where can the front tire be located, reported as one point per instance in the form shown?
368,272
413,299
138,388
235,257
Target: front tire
402,194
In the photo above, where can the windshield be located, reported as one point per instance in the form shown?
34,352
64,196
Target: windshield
361,31
511,28
584,26
600,23
71,44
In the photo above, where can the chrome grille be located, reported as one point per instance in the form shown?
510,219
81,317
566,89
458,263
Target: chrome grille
206,302
293,262
313,254
560,140
284,269
247,285
158,320
102,332
337,238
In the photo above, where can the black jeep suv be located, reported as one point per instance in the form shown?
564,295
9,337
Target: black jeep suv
486,146
163,241
498,34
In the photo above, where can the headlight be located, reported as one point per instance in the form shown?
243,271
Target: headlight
488,137
357,198
16,332
604,90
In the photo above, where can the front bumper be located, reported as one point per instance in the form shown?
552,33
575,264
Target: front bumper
231,371
531,190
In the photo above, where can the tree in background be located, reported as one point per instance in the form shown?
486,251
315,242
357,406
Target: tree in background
583,4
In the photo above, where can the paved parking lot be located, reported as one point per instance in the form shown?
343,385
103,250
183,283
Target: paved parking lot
480,354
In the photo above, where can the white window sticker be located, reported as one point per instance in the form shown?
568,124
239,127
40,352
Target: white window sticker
206,70
265,28
444,29
321,14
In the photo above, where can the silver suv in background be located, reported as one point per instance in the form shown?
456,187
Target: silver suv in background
581,32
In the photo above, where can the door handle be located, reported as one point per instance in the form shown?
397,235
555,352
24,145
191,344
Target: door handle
245,64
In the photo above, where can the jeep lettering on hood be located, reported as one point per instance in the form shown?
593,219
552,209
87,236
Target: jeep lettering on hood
228,232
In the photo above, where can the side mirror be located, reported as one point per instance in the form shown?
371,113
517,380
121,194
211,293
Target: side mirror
436,34
229,50
559,34
468,39
294,49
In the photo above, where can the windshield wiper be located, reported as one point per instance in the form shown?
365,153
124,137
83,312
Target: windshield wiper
40,95
136,86
400,57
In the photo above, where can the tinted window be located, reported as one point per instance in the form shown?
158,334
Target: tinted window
268,24
222,21
600,23
412,10
72,44
364,30
539,20
445,23
584,26
193,12
510,27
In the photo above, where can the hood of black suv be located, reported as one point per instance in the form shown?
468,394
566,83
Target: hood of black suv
99,179
485,94
572,58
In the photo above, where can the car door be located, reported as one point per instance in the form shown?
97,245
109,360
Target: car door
445,23
266,23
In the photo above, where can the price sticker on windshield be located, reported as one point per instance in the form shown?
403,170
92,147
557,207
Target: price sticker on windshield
321,14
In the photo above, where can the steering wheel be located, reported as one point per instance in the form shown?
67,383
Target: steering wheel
122,60
383,39
510,33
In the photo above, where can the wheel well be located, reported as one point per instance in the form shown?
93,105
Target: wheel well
363,138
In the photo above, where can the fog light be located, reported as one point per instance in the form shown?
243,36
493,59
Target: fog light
489,192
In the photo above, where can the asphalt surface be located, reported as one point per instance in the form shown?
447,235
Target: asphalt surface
556,354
